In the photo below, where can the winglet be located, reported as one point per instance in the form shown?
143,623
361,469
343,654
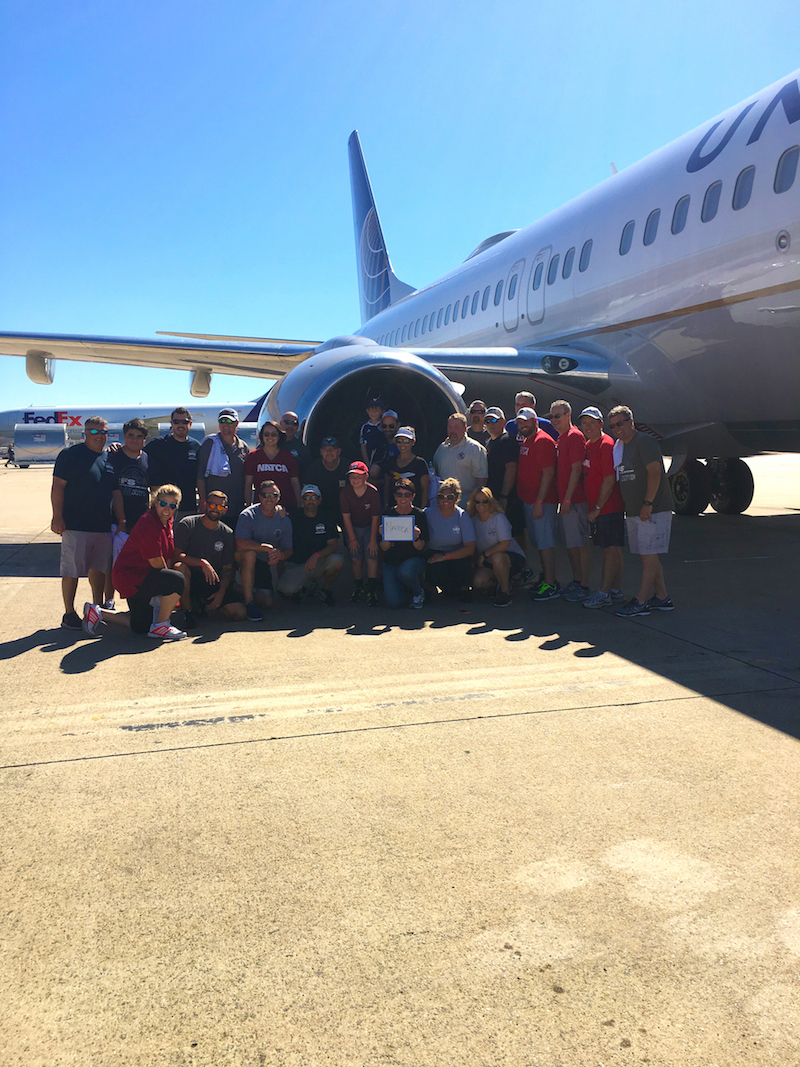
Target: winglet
378,287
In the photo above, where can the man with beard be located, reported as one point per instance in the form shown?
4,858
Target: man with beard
173,459
206,551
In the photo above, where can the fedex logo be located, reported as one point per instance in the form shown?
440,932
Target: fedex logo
57,417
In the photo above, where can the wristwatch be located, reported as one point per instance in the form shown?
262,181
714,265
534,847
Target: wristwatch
648,503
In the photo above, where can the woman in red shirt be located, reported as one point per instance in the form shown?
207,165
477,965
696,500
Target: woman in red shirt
271,462
142,571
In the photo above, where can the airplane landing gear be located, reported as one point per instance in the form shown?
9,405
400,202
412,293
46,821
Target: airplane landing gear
691,488
731,486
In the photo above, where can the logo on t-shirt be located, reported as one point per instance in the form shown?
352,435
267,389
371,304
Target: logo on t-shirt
218,546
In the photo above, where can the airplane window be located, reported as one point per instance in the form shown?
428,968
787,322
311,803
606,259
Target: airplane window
626,240
439,318
475,300
465,306
786,170
651,226
498,293
512,288
680,214
485,301
424,325
552,270
537,276
743,189
455,309
711,202
569,259
416,329
586,255
402,339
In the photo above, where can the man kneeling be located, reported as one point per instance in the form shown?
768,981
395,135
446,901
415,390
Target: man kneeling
314,555
206,550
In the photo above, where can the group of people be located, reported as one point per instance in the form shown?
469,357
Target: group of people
214,527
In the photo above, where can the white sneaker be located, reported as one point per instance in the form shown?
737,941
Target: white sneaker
92,624
418,601
109,605
164,631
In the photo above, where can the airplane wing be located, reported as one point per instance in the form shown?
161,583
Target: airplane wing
262,357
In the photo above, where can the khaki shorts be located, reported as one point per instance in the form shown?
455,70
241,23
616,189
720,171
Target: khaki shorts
575,525
649,538
82,552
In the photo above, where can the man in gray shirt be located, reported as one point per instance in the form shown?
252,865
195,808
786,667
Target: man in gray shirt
206,552
263,541
648,508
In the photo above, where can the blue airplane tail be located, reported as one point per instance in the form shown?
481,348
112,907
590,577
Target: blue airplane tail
378,287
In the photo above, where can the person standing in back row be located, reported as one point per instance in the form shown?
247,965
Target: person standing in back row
648,503
173,459
573,512
220,464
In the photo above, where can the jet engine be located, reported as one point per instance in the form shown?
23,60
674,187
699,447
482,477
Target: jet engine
329,392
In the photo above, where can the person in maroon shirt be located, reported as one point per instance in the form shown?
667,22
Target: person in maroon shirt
606,510
142,574
571,446
361,513
271,462
536,488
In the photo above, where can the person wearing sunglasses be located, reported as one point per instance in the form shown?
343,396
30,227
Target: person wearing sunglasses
477,422
272,461
648,502
451,543
499,557
290,425
406,465
81,493
263,542
144,576
573,511
315,563
220,464
404,561
536,487
173,459
206,551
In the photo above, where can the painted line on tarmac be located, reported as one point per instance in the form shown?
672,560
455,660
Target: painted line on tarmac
375,729
727,559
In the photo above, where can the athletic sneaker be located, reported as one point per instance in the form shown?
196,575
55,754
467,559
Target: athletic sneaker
254,612
529,581
573,585
419,600
163,631
372,599
660,604
546,592
502,600
311,589
92,624
617,596
109,605
357,594
578,594
190,620
633,607
598,600
326,596
71,620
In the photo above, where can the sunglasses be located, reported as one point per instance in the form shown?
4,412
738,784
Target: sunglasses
216,507
269,496
478,411
403,492
445,496
166,504
621,422
388,425
492,418
94,433
183,422
558,415
480,500
309,497
227,422
290,422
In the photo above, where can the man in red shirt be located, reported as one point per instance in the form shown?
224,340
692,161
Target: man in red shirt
606,509
536,488
571,447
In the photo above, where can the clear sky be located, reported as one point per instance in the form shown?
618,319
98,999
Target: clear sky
182,164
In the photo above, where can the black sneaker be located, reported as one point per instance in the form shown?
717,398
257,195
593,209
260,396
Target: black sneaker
633,607
189,620
372,599
326,596
660,604
502,600
357,594
71,620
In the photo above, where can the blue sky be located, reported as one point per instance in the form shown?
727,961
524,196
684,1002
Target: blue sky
182,165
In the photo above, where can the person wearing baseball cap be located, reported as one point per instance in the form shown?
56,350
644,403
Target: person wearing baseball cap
502,453
220,464
361,513
406,465
370,436
606,511
329,472
315,560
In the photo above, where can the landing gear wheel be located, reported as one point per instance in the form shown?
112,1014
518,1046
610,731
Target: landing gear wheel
731,486
691,488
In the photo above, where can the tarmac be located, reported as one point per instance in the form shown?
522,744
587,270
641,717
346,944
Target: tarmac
532,837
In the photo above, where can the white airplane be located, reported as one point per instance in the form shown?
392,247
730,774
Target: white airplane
672,287
152,414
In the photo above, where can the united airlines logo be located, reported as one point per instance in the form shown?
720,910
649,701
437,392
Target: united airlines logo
375,266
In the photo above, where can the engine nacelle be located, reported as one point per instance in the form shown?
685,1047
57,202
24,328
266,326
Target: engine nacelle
329,393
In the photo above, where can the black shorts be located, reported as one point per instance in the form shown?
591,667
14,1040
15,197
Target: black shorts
609,530
156,583
203,591
262,578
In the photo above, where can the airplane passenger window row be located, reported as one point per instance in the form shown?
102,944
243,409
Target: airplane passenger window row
470,304
785,174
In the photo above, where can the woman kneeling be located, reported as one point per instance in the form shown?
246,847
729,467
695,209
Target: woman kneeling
499,557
